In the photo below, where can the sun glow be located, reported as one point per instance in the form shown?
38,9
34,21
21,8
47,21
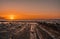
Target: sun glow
11,17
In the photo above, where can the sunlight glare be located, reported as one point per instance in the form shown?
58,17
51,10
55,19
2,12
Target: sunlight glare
11,17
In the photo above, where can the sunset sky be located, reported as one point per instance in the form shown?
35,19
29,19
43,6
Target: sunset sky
30,9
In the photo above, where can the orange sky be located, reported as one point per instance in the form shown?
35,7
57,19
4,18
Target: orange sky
30,15
47,9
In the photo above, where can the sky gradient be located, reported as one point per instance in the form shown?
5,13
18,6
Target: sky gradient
30,9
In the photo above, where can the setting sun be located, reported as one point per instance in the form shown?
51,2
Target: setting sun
11,17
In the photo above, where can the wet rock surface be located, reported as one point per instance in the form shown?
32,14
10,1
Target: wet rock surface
29,30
